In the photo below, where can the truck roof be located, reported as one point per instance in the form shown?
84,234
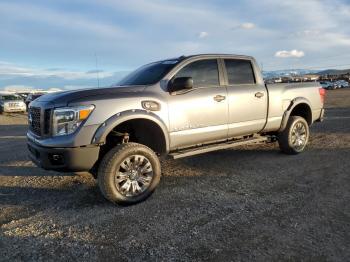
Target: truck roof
183,57
219,55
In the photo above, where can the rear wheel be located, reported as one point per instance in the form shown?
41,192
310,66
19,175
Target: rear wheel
129,173
294,138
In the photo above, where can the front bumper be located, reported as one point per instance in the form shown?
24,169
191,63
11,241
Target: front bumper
7,109
74,159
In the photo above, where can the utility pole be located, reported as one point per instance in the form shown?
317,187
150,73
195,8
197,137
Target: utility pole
97,71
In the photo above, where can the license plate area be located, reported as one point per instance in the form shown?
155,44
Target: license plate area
34,152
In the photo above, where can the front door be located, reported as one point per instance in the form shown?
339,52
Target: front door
199,115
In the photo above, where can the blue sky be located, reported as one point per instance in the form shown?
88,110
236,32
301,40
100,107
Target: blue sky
49,43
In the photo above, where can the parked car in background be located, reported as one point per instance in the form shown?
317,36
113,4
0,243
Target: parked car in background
32,97
342,84
327,85
11,103
24,95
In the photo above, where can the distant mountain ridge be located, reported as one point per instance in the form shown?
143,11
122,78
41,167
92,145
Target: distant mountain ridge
48,82
289,72
298,72
334,72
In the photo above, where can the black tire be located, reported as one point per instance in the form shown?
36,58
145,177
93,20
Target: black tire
285,138
112,163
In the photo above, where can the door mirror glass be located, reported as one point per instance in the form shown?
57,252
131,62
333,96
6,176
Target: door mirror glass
181,83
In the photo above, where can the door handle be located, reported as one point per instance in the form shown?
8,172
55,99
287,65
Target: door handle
259,95
219,98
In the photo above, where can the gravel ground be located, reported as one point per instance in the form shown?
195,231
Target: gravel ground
250,203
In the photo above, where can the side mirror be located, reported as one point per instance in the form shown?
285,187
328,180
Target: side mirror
181,83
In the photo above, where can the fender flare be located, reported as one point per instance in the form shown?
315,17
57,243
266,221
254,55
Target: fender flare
107,126
295,102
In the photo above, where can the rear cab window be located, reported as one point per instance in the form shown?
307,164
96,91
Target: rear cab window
239,72
9,97
205,73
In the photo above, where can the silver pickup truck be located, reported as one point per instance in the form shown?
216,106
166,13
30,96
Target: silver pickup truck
177,108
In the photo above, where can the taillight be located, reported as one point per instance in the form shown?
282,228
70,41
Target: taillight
322,92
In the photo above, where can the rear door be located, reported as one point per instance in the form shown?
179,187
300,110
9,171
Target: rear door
247,99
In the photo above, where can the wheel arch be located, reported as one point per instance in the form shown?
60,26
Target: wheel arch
299,106
118,119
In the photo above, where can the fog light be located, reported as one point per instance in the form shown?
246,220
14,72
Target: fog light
150,105
56,159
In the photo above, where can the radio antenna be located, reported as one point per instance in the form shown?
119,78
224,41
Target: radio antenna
97,72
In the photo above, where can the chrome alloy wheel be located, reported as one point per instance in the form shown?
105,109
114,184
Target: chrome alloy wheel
134,175
299,136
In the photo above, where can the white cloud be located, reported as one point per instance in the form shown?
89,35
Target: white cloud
307,33
59,36
25,88
18,87
203,34
247,26
244,26
287,54
8,70
69,87
193,15
71,21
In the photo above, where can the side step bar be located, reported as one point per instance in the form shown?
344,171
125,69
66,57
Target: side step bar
209,148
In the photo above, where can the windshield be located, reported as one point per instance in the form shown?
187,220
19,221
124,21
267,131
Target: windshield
36,96
149,74
10,97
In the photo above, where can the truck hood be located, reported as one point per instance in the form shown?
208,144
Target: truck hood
64,98
12,101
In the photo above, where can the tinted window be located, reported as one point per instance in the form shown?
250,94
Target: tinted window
204,73
239,72
10,97
36,96
148,74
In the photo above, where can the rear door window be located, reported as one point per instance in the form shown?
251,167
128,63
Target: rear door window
239,72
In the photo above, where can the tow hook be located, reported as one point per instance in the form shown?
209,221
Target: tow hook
124,135
125,138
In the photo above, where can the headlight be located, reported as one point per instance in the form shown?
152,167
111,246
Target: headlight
66,120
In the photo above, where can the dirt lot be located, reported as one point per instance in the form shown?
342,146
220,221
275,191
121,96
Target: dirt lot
251,203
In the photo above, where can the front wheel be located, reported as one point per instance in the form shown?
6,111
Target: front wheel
129,173
294,138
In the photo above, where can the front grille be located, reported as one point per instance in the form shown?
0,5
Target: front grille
13,104
47,121
35,120
40,124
